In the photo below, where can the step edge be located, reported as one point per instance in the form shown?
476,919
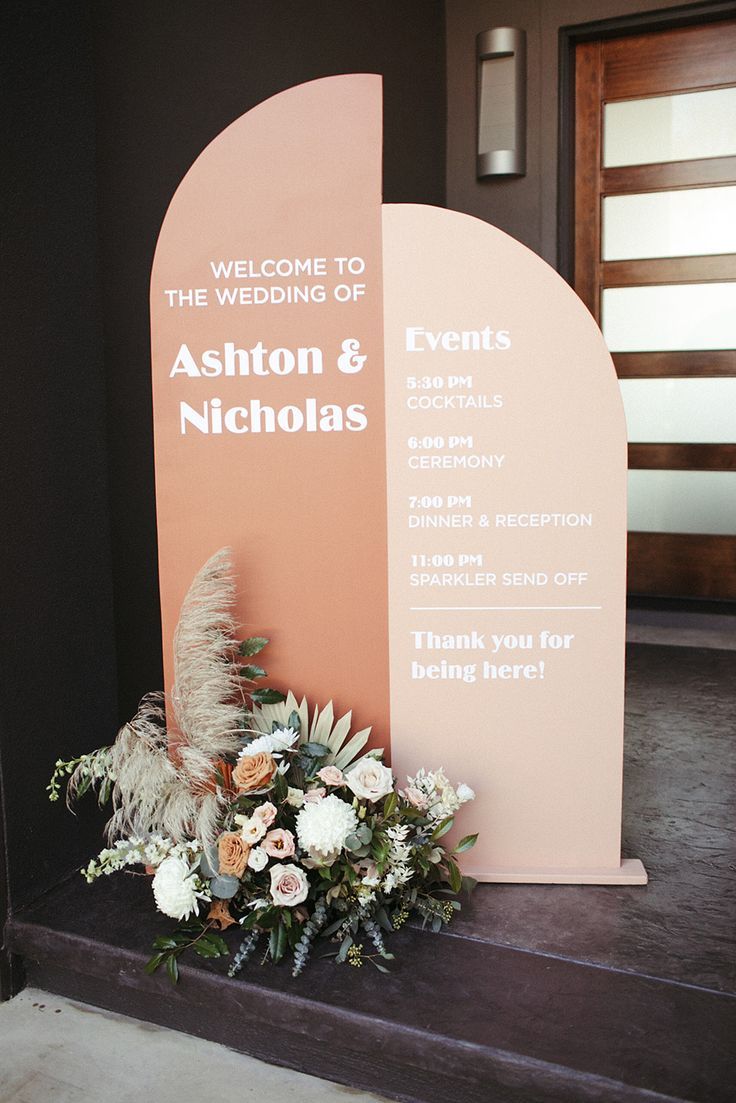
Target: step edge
407,1046
267,1007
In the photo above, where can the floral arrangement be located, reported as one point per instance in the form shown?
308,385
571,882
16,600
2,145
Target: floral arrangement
253,810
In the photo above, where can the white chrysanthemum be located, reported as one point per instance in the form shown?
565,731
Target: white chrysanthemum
274,743
175,889
323,827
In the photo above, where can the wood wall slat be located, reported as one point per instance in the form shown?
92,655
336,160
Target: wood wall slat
682,565
656,270
587,172
673,174
686,58
659,365
683,457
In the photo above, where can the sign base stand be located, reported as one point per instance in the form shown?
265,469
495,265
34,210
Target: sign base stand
630,872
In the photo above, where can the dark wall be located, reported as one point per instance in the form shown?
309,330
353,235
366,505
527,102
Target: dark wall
524,207
108,104
170,77
58,685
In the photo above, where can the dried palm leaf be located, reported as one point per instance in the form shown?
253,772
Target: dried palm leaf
323,729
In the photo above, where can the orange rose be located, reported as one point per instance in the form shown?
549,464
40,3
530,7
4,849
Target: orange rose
222,774
233,853
253,771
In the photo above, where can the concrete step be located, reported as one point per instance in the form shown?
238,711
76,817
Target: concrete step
458,1018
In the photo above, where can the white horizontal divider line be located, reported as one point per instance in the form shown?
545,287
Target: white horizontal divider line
493,608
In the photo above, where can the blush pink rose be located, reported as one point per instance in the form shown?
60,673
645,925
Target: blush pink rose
266,813
279,843
314,796
417,798
331,775
289,885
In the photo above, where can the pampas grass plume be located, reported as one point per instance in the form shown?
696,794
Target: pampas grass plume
163,780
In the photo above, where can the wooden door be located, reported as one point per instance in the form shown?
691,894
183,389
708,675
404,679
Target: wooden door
655,262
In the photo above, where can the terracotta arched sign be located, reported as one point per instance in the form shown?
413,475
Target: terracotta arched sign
265,293
409,430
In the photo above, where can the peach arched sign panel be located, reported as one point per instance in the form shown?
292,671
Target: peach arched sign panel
409,429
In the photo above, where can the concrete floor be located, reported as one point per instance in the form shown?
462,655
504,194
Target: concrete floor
56,1051
681,629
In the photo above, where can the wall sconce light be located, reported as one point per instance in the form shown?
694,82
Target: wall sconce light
501,61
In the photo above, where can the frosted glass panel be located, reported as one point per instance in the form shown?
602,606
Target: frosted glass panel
691,222
497,104
683,501
670,128
680,411
668,317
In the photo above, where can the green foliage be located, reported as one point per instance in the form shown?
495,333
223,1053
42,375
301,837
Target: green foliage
309,760
278,942
209,862
316,750
280,788
252,646
224,886
252,672
267,696
466,843
442,828
456,878
201,938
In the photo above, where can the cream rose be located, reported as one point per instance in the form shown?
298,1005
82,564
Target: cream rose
254,771
279,843
289,885
257,859
232,850
370,780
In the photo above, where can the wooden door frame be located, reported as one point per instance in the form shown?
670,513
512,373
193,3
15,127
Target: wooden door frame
711,11
683,552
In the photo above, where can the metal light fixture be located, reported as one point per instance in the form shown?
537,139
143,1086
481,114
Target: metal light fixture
501,61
